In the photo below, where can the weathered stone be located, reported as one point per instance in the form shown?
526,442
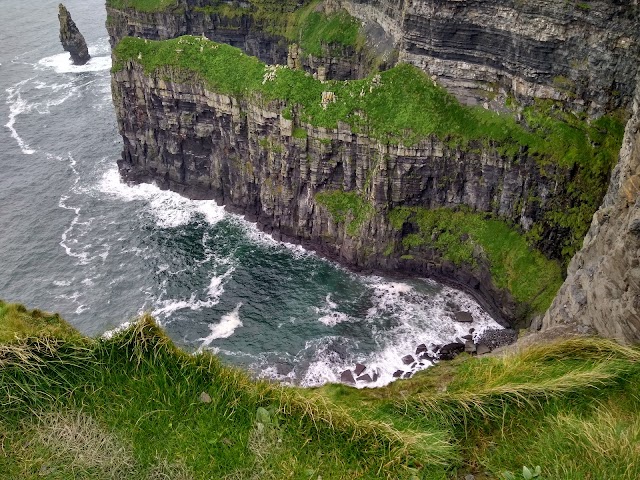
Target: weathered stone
602,288
71,38
421,349
482,349
398,373
359,368
408,359
204,397
347,377
407,375
450,350
467,337
464,317
283,368
364,378
469,346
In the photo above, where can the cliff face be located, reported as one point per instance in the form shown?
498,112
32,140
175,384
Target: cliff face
602,289
249,157
580,53
261,37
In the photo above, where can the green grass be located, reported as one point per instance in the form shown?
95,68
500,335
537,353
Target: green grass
349,207
129,407
143,5
465,237
317,29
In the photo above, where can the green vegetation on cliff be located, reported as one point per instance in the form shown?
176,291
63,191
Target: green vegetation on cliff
467,238
135,406
404,106
348,207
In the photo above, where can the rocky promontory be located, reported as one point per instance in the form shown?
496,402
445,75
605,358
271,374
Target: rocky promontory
71,38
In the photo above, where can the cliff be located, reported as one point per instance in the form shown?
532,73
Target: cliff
319,37
580,53
354,177
602,289
71,38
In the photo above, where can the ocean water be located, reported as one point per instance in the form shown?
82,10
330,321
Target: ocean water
77,240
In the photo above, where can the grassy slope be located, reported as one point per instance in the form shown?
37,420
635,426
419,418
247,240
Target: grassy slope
529,276
129,407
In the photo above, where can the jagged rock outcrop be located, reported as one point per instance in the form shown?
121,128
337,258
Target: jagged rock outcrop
580,53
602,289
71,38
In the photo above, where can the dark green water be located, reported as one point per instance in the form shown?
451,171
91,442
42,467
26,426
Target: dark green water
76,240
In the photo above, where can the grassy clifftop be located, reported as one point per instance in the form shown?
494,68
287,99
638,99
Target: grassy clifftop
135,406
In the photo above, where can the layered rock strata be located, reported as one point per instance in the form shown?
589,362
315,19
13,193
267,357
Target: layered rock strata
244,29
71,38
581,53
602,289
245,155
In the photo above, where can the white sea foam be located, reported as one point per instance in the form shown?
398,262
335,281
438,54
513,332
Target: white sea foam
225,328
61,62
329,315
17,106
214,292
168,208
111,333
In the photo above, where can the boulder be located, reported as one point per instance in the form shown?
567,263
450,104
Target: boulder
347,377
398,373
450,350
283,368
421,349
464,317
482,349
408,360
467,337
359,369
364,378
469,346
71,38
407,375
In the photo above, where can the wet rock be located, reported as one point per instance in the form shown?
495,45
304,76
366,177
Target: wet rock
408,360
359,368
464,317
407,375
204,397
450,350
398,373
283,368
467,337
471,330
469,346
347,377
340,350
421,349
376,375
494,338
427,356
364,378
71,38
482,349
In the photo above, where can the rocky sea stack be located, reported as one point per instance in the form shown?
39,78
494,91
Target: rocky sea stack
71,38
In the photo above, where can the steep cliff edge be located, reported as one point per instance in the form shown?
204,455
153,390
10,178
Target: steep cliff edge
318,36
580,53
602,289
360,170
